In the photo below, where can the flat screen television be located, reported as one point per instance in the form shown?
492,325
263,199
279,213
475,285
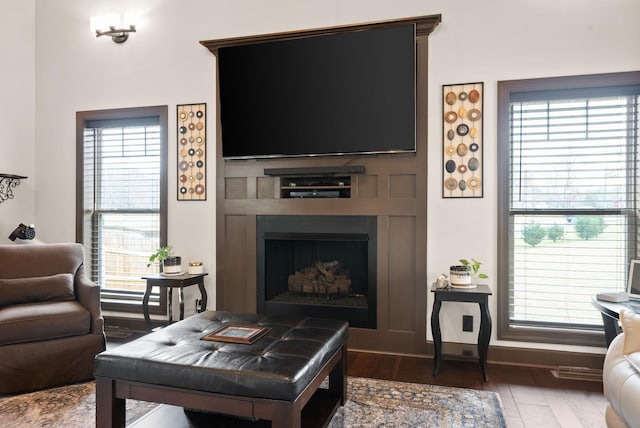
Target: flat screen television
349,92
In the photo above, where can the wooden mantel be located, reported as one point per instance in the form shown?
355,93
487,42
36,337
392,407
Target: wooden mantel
393,188
424,26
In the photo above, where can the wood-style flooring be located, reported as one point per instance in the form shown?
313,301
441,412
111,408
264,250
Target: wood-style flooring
531,397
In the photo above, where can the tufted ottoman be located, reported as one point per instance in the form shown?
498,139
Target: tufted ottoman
272,379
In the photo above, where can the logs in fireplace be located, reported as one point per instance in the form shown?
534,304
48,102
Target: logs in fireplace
321,278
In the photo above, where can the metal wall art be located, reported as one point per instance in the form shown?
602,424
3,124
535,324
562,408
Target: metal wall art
462,140
192,154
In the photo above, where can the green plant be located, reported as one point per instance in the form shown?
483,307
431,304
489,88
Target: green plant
555,232
475,267
533,234
160,255
589,226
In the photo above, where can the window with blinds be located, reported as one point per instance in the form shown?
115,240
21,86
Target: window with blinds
569,219
123,206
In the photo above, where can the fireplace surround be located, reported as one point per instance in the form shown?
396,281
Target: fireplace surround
289,245
392,188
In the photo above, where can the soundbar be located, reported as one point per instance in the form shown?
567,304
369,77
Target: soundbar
315,170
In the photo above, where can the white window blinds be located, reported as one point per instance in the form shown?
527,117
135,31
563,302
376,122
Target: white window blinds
122,178
572,201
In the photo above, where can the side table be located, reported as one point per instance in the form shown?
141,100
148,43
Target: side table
479,295
171,282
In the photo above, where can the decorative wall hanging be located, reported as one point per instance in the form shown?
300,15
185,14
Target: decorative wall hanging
192,154
462,140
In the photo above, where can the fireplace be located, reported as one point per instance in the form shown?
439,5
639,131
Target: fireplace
321,266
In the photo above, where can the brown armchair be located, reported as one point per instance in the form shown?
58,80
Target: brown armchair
51,325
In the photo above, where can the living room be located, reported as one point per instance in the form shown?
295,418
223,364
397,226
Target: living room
57,68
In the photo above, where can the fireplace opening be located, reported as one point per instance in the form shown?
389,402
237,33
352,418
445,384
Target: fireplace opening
323,266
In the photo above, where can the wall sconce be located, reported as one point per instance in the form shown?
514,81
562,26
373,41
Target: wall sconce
119,26
8,182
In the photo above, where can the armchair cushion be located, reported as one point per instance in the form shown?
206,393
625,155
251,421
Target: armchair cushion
57,288
31,322
631,327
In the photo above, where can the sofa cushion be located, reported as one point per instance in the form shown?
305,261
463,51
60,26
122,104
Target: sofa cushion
37,289
42,321
631,327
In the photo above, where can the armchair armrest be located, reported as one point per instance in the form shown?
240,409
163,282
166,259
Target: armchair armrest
88,295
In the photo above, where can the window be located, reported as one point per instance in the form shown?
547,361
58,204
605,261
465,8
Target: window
121,208
568,188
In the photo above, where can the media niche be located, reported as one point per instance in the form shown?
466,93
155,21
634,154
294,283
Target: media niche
350,92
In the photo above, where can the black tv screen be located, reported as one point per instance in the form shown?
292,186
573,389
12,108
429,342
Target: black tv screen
346,92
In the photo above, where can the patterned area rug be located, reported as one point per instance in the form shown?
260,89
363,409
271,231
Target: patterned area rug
380,403
72,406
372,403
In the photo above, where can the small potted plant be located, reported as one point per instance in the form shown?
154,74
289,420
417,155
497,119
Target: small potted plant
475,268
170,264
463,274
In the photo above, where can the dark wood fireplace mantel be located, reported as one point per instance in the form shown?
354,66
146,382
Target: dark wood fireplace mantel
392,188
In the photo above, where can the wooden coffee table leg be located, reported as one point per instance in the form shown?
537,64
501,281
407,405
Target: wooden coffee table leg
338,377
110,411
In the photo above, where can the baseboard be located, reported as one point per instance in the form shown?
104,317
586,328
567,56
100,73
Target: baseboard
136,325
527,357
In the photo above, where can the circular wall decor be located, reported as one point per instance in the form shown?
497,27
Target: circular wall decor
450,116
462,130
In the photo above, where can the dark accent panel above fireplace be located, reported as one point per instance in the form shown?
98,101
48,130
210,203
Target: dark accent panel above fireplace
321,266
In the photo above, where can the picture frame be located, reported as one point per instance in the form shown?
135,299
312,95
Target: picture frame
462,136
191,159
237,334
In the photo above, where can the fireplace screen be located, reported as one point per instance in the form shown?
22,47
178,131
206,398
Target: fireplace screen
318,271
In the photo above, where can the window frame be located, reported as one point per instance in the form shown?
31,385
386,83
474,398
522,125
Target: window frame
506,331
82,117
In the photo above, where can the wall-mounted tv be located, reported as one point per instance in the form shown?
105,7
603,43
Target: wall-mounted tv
348,92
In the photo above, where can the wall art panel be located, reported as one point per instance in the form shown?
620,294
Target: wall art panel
462,111
192,152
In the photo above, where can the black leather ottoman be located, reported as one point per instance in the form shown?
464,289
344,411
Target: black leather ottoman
272,379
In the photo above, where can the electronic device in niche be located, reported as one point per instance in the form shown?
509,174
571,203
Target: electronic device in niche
315,187
315,194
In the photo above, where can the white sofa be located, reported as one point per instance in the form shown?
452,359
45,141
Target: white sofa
621,374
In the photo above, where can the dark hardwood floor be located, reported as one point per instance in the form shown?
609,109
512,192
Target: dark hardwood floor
531,397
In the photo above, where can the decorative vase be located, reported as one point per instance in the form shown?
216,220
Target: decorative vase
460,275
172,265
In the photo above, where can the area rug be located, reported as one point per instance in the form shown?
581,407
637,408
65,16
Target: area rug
371,403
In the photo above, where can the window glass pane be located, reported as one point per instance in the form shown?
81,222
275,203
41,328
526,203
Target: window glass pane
572,206
126,241
122,179
571,154
561,261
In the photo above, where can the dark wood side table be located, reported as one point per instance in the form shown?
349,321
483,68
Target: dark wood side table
610,312
479,295
171,282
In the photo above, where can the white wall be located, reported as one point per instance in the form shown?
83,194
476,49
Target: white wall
17,111
163,63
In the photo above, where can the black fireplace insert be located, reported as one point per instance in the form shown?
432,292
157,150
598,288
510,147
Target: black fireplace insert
321,266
